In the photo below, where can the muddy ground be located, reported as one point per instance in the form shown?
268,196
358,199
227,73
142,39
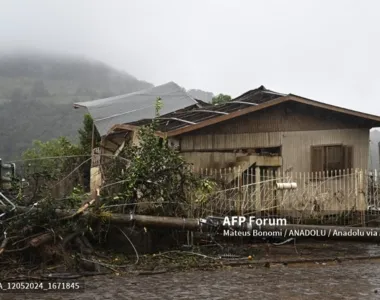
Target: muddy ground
305,271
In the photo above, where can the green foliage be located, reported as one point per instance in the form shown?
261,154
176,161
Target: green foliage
55,147
158,107
86,134
47,162
204,190
77,197
25,120
60,147
36,96
155,174
220,99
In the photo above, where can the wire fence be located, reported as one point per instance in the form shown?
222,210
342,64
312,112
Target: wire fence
339,197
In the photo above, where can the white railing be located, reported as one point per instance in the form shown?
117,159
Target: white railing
343,196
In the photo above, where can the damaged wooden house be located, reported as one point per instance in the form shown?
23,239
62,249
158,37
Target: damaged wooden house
259,130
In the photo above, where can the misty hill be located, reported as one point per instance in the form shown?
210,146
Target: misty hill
37,92
201,95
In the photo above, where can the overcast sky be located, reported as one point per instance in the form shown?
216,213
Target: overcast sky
325,50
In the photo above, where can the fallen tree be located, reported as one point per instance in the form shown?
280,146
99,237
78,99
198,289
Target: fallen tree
299,231
68,236
148,186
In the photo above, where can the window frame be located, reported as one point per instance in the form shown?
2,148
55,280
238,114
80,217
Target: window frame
346,161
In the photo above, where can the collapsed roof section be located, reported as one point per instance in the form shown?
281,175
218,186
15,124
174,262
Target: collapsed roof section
128,108
195,115
181,113
191,119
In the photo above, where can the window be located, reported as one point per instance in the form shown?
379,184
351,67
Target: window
330,158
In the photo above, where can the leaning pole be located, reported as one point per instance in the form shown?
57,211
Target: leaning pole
362,234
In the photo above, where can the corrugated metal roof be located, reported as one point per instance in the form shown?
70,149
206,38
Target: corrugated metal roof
193,118
136,106
179,119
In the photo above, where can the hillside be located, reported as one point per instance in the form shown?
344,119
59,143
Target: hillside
201,95
37,92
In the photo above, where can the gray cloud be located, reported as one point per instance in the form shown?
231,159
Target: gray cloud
324,50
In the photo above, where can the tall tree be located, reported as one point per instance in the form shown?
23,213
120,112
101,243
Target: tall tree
86,134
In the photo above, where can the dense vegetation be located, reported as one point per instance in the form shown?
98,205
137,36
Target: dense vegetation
37,93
